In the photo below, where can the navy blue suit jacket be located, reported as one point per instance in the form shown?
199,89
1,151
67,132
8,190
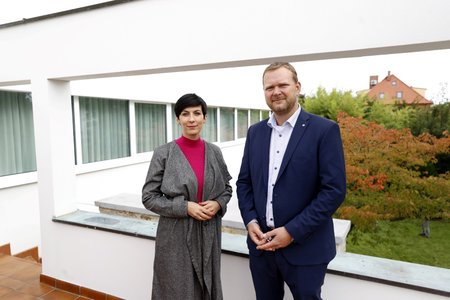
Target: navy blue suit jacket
310,186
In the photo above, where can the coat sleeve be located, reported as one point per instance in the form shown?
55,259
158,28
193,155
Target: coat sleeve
152,196
224,197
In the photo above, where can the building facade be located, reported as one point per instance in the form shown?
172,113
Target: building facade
392,90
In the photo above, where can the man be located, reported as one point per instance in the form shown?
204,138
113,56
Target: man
292,180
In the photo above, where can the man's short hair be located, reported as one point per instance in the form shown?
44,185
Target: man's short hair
277,65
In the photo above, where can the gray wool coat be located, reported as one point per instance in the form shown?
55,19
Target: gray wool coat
187,254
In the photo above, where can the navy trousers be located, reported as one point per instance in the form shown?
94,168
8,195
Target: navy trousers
271,270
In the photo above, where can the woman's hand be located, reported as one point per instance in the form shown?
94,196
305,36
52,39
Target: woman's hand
212,206
203,211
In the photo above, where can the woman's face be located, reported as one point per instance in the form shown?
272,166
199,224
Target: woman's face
191,120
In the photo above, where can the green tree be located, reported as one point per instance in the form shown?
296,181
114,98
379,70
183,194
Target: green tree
390,116
329,105
434,120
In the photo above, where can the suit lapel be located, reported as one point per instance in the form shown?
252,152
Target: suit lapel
297,133
265,151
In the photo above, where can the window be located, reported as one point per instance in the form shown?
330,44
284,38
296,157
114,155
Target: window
209,131
399,95
104,129
254,116
226,124
176,128
242,123
381,95
265,114
17,149
150,126
393,82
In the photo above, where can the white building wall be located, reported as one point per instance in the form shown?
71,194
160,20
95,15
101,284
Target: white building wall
345,288
159,36
20,217
230,87
149,37
123,266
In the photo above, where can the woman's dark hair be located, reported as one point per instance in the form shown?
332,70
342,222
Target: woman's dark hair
189,100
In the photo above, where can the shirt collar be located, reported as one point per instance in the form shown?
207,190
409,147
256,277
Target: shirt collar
272,123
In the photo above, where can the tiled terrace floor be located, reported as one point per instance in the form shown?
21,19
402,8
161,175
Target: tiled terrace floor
19,280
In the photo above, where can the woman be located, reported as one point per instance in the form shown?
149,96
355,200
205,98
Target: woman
188,186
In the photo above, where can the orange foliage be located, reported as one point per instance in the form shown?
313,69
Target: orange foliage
383,172
363,218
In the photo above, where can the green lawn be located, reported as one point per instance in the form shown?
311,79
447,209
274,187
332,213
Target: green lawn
401,240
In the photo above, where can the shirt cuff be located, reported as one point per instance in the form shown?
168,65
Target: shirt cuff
252,221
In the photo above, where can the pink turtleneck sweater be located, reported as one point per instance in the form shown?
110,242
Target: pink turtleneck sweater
194,150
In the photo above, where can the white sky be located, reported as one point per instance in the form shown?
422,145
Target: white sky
429,69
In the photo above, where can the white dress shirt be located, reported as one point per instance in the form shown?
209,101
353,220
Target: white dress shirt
278,144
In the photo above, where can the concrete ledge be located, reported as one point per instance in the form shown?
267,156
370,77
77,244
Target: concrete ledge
341,230
397,273
414,276
122,202
423,278
130,205
112,223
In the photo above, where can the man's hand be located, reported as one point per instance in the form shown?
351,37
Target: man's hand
277,238
255,233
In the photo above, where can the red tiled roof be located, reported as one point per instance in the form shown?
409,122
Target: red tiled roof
390,86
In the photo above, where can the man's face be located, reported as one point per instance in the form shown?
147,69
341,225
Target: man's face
281,91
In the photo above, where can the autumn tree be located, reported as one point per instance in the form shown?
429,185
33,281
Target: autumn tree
391,173
384,175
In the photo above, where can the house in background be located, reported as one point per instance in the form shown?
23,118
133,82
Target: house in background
391,90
